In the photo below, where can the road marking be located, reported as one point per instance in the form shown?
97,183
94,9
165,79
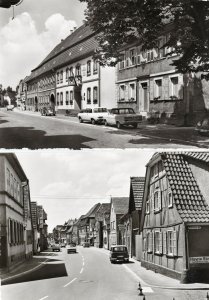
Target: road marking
44,298
70,282
81,271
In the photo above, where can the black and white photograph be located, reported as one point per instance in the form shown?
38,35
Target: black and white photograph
104,159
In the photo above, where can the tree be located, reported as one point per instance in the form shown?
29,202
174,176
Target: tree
121,22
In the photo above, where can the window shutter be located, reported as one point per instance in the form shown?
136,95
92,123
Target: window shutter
153,241
161,243
164,242
175,244
8,234
166,88
151,89
159,199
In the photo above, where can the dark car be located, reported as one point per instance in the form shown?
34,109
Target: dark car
119,253
86,244
202,126
47,111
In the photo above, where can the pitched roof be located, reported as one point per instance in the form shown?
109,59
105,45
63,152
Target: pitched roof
92,211
79,44
137,188
120,205
187,195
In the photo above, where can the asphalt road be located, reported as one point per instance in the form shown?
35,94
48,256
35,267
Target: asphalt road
24,130
87,275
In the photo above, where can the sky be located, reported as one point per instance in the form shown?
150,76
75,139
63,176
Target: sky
38,26
68,183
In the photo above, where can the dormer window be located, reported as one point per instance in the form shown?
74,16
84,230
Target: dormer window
157,200
78,70
170,199
88,68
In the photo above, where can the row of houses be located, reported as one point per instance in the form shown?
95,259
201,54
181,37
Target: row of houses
23,231
165,220
70,79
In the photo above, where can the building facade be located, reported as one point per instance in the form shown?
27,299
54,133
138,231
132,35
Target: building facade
15,217
176,215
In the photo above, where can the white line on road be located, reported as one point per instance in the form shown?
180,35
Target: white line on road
70,282
44,298
81,271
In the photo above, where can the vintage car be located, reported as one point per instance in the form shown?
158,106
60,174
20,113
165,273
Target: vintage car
86,244
56,247
119,253
71,248
10,107
47,111
93,116
202,126
122,117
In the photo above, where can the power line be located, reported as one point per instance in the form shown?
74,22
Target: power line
68,197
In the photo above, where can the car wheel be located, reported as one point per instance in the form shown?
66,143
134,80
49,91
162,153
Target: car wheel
80,120
118,125
93,122
105,122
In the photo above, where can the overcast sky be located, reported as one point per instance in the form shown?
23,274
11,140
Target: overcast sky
38,26
68,183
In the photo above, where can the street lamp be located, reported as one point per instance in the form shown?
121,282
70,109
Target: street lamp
9,3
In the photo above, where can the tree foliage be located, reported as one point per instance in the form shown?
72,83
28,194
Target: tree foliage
120,22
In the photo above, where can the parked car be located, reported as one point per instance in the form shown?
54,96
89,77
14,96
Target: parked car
119,253
10,107
202,126
86,245
122,117
71,248
56,247
94,116
47,111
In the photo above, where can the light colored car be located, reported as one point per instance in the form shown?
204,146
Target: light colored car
71,248
119,253
56,247
86,245
122,117
94,116
10,107
47,111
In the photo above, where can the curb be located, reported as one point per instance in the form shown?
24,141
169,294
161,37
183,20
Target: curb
25,272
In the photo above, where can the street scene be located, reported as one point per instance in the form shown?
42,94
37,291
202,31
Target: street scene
127,233
31,130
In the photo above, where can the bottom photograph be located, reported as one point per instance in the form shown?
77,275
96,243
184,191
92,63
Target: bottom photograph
104,224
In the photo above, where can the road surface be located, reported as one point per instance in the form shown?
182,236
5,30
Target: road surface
87,274
30,130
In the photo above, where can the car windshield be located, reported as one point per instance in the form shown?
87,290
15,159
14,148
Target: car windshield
121,111
119,249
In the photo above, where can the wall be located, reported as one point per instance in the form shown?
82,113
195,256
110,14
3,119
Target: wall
107,87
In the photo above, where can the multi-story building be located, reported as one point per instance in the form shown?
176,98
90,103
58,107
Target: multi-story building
102,216
21,94
15,217
80,81
118,207
43,228
175,215
147,82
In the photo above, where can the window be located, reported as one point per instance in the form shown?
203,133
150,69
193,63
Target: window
78,70
171,243
58,77
67,98
158,88
88,68
88,95
149,246
132,57
71,97
132,92
158,242
170,199
15,188
61,76
174,87
147,206
122,89
122,62
150,55
18,191
12,185
61,98
8,180
157,200
95,95
58,98
138,55
67,74
95,66
127,59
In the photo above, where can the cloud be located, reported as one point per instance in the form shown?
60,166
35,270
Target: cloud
23,47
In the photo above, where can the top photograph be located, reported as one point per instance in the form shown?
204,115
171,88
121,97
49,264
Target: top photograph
104,74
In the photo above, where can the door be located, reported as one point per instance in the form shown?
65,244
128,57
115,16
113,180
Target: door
144,90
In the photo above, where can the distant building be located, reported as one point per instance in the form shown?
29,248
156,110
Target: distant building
175,215
15,222
119,207
102,217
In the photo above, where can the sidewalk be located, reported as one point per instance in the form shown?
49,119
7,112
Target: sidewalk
148,278
29,265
